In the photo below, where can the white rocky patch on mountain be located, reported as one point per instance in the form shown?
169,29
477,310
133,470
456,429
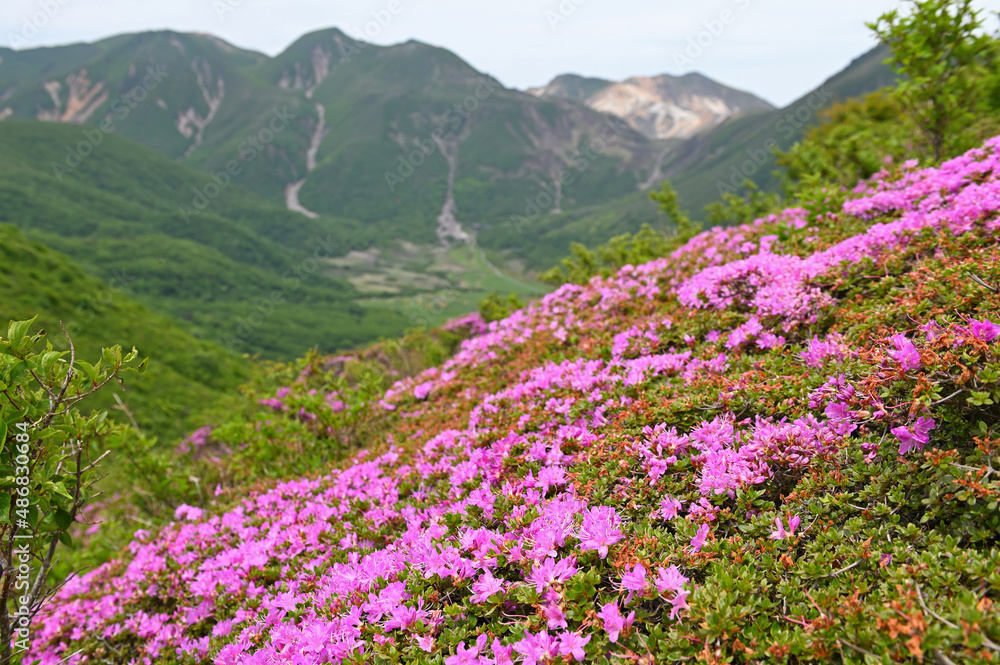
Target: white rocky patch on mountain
660,107
190,123
83,98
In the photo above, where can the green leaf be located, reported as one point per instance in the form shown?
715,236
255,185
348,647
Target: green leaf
88,370
62,518
58,488
4,508
17,329
46,360
112,356
16,371
979,398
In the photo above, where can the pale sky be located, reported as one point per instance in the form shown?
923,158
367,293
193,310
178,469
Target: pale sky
778,49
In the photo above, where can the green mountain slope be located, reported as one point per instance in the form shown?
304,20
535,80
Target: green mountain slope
408,140
243,272
162,89
338,111
429,118
739,149
699,168
184,376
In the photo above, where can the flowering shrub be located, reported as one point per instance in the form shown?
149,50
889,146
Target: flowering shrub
778,444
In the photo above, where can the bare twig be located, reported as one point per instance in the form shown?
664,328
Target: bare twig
838,572
981,282
45,386
842,643
987,642
945,399
943,659
934,614
96,462
989,472
72,363
121,407
69,656
11,399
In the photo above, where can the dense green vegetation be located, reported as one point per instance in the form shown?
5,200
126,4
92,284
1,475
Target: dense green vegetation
184,376
382,167
241,273
939,108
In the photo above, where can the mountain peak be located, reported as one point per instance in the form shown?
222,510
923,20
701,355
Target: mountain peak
662,106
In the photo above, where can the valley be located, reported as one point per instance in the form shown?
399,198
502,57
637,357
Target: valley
350,353
214,173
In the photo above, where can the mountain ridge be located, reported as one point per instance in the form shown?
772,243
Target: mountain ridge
442,153
663,106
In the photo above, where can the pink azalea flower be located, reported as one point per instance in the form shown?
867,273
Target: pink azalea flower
534,648
779,533
669,507
468,656
186,512
600,529
554,615
502,655
984,330
551,571
670,579
905,354
614,622
916,438
423,390
698,541
634,581
679,602
486,586
837,411
571,644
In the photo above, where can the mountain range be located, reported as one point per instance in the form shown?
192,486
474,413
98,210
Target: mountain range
440,150
436,141
410,183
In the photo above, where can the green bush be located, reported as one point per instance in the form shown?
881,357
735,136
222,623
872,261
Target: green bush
51,453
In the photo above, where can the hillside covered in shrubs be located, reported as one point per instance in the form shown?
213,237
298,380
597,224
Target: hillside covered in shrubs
777,443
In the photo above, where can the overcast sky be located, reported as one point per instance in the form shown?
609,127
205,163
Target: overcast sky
777,49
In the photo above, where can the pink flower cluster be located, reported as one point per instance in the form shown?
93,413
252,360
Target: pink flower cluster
333,568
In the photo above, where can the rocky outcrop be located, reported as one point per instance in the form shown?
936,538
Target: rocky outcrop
292,188
83,98
660,107
190,123
300,78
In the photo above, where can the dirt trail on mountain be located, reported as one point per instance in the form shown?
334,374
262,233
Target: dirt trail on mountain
292,189
448,225
190,123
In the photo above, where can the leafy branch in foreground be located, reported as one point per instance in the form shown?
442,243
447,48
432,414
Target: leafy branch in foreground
48,465
941,56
